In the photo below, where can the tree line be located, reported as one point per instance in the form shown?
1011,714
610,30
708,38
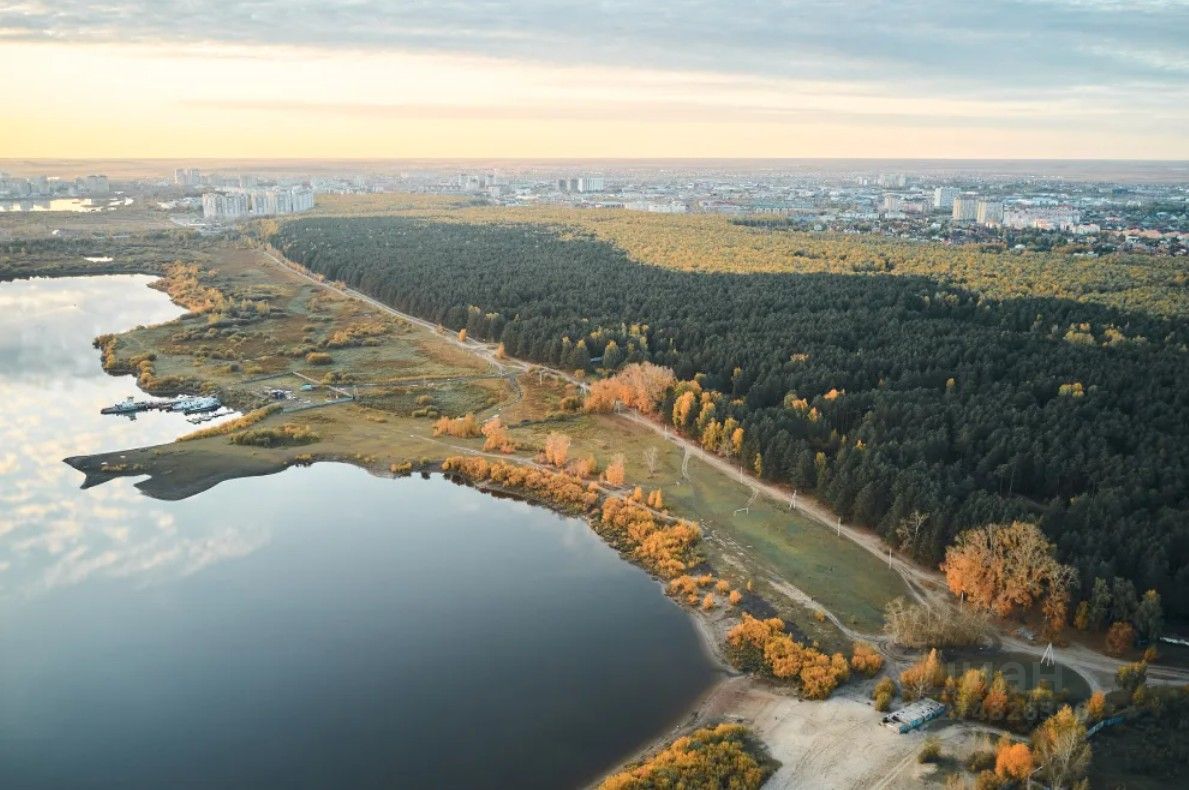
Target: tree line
910,406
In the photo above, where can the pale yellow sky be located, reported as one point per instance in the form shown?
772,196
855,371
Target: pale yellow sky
219,100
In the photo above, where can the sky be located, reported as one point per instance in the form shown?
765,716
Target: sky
1090,79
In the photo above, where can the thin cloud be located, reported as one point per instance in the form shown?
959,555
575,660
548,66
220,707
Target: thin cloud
1007,46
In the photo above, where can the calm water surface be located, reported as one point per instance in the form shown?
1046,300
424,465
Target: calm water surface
316,628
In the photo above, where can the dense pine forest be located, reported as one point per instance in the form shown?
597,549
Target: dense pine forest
887,396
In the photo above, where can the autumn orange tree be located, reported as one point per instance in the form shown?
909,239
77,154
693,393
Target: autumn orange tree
866,659
563,490
464,427
923,676
664,547
496,436
557,448
585,467
614,473
763,646
1013,761
1005,568
640,386
1119,638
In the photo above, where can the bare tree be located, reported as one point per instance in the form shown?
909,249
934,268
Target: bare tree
933,624
910,528
652,457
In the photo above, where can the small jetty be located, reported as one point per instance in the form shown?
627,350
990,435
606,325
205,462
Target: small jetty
187,404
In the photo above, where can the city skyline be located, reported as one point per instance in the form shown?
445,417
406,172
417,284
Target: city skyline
1053,79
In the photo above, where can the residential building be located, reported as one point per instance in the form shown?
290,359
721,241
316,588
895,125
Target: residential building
943,198
187,177
965,208
989,212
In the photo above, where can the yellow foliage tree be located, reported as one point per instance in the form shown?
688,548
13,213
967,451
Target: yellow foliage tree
1060,747
721,757
1005,567
866,659
614,473
557,448
1013,761
496,436
464,427
923,676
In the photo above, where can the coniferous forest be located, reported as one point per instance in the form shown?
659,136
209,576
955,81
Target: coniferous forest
887,396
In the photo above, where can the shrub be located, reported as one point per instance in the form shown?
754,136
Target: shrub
866,659
318,358
930,752
465,427
281,436
884,692
1120,637
724,756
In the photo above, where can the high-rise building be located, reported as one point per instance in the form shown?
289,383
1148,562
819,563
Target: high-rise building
187,177
989,212
965,208
582,184
263,202
1043,217
96,185
943,198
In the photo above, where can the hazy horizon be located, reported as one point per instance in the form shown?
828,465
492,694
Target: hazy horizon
1149,171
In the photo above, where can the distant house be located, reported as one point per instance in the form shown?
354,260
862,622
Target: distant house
912,716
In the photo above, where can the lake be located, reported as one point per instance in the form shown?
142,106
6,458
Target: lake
316,628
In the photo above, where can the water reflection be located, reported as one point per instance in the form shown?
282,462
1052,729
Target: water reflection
52,387
263,635
65,204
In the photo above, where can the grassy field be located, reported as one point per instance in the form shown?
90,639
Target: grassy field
843,577
404,376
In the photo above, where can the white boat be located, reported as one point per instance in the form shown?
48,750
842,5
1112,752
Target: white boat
195,405
126,406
